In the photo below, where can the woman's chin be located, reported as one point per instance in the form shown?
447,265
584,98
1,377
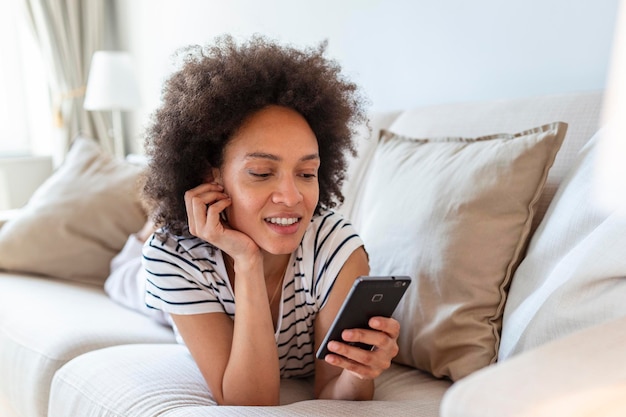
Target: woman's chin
280,250
280,247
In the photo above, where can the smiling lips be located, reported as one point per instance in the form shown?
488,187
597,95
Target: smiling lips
283,221
284,225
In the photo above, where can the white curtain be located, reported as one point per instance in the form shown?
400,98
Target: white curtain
68,33
24,111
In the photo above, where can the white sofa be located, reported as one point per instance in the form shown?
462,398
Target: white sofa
67,350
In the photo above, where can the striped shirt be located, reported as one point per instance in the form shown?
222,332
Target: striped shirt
186,275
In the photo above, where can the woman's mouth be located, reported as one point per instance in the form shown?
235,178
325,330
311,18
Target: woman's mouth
282,221
284,225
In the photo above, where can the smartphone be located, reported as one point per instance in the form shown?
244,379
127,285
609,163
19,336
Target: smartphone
368,297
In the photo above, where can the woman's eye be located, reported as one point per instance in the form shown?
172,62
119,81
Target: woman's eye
259,174
308,176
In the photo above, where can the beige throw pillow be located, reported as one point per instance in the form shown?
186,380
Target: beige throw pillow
455,215
77,220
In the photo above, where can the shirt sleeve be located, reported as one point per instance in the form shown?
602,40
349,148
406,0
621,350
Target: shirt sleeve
334,241
179,281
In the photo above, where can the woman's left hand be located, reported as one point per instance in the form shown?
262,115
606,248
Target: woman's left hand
362,363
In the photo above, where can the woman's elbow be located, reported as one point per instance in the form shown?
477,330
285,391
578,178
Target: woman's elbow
258,396
251,401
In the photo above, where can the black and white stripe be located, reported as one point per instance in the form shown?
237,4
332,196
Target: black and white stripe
186,275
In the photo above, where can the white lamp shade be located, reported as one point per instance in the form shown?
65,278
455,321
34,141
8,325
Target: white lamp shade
112,84
611,162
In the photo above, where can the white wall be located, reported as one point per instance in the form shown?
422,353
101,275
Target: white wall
403,53
20,177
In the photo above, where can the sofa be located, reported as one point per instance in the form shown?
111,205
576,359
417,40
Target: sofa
516,306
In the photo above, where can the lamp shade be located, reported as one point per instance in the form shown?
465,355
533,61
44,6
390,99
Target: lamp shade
112,84
611,162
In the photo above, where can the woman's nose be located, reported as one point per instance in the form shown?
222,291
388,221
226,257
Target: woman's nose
287,193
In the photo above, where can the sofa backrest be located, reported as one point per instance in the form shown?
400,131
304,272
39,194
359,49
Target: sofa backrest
581,111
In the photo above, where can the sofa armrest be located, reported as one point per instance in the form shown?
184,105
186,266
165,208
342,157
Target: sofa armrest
6,215
582,374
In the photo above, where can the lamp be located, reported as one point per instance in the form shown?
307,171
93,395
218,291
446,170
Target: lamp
112,86
611,162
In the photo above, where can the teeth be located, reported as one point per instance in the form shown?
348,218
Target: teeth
283,221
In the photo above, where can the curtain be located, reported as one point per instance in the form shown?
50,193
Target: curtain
68,33
23,89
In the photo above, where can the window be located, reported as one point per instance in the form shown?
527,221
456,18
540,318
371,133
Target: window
25,116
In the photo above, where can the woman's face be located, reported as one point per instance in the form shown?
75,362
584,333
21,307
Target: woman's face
270,173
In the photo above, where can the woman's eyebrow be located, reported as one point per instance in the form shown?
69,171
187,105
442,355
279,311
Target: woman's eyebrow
311,157
272,157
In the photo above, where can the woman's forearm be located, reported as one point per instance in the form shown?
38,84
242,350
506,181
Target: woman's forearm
252,375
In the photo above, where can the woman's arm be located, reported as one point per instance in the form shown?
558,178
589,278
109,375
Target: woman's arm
238,358
349,372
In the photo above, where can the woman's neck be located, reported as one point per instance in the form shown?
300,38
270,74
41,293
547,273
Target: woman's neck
274,266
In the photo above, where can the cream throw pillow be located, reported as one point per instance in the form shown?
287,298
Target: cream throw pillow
454,214
77,220
574,274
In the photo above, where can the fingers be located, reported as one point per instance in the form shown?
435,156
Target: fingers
387,325
363,363
204,205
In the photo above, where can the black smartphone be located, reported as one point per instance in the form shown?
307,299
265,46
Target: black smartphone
368,297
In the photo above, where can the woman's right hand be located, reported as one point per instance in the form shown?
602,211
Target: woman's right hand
204,204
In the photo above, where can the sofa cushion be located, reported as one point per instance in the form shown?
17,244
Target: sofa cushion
77,220
574,274
579,375
455,214
46,322
149,380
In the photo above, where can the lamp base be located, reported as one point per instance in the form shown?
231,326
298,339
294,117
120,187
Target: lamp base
119,147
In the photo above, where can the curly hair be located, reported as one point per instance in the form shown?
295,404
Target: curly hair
217,88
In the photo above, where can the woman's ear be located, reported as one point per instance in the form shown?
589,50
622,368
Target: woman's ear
217,176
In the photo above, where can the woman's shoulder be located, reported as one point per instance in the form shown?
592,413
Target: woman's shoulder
328,229
329,220
185,246
328,243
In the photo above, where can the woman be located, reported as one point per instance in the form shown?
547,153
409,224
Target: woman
247,159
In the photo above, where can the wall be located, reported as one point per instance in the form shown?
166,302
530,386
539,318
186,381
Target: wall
20,177
403,53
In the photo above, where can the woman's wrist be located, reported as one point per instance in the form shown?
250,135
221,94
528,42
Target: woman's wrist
348,386
247,264
359,388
